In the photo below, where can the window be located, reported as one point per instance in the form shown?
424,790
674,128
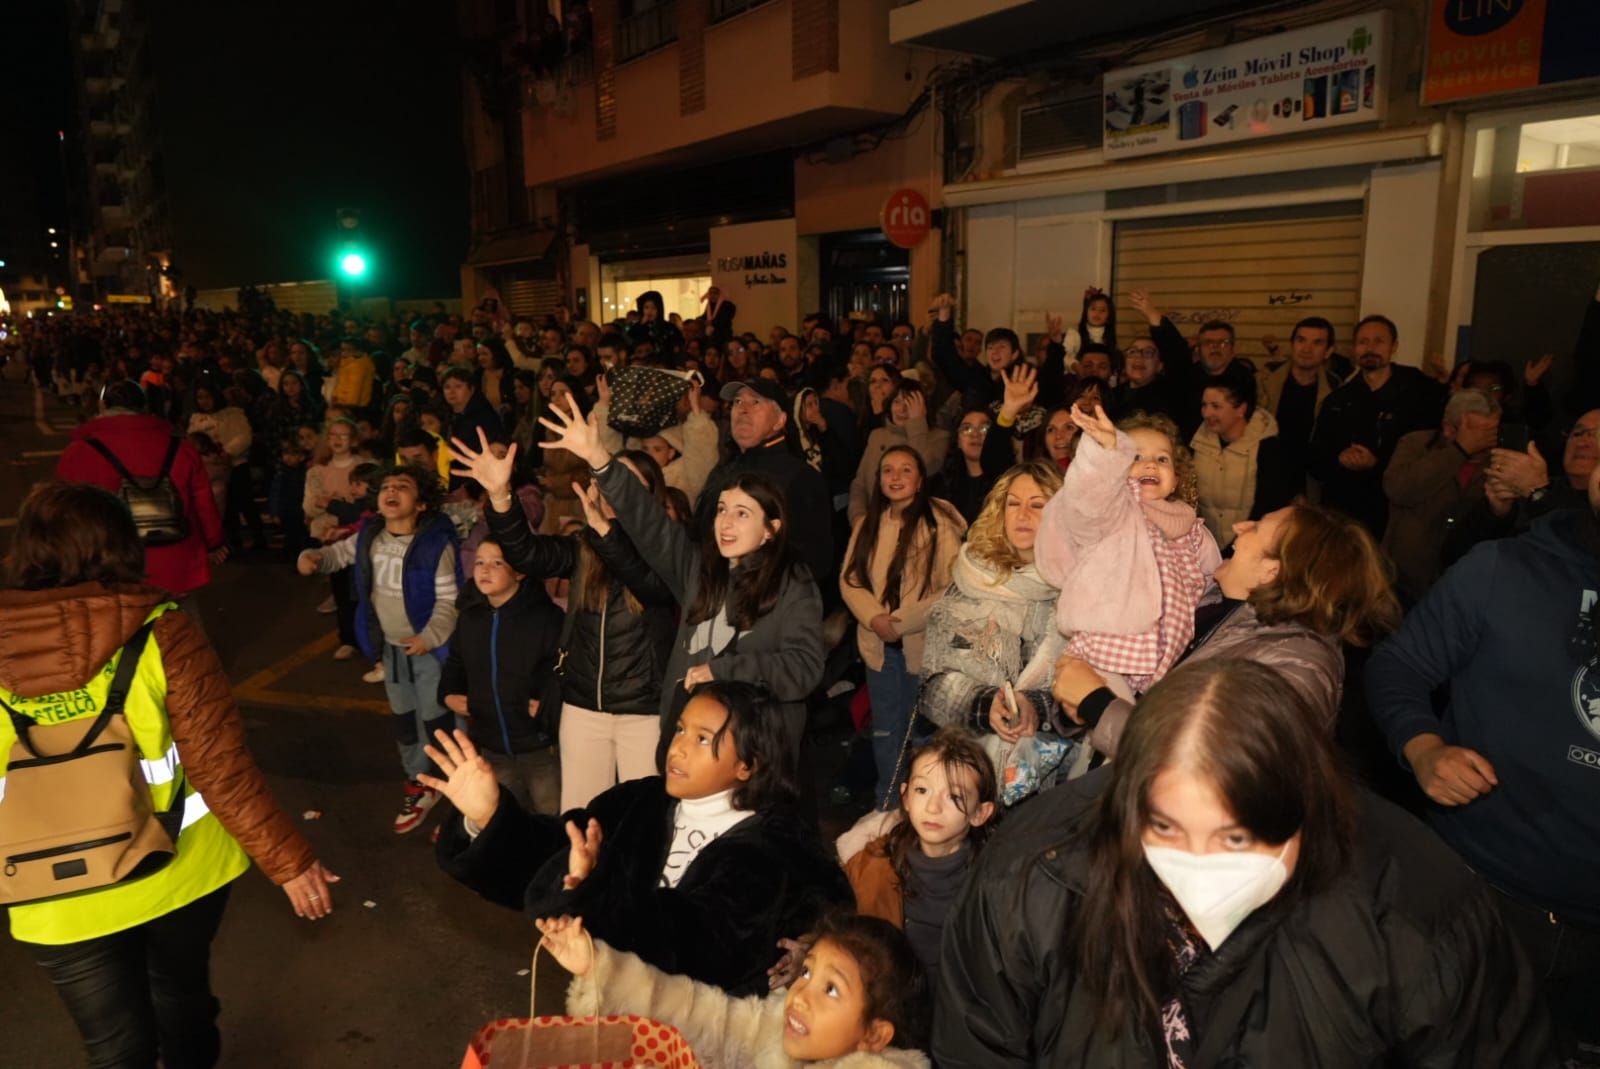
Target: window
1536,174
647,26
726,9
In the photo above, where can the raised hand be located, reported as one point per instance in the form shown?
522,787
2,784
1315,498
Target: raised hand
943,306
1098,426
593,508
1140,299
584,852
567,942
491,472
1534,370
1055,326
916,407
578,436
1022,386
469,782
603,390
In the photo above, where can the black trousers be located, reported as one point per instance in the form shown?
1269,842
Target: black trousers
146,991
1566,961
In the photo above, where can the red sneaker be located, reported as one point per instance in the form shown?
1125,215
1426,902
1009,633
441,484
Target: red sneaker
414,810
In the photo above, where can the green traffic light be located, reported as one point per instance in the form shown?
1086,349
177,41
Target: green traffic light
353,264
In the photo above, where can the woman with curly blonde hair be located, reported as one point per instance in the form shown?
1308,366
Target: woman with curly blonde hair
994,625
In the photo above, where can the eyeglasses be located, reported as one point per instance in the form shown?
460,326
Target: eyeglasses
975,430
1141,350
1581,433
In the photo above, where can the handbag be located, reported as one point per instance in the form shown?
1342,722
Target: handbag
645,399
617,1041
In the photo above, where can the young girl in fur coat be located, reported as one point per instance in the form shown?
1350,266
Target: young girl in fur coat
1125,545
859,1002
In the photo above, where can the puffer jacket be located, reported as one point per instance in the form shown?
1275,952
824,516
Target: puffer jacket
722,1029
1403,960
1312,664
616,657
1234,475
55,640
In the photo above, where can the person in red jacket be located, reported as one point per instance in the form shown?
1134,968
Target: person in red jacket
139,440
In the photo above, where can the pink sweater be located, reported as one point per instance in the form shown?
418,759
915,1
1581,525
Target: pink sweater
1094,543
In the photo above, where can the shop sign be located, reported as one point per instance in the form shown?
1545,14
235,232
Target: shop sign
1331,74
1479,47
764,268
127,298
905,218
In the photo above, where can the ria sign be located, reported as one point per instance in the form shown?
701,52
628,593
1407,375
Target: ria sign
905,218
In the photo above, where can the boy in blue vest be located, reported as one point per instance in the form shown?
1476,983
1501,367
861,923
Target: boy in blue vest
406,577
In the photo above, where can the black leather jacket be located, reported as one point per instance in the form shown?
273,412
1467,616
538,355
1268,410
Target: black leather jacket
616,657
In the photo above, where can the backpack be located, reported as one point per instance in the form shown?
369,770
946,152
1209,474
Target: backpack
154,501
76,814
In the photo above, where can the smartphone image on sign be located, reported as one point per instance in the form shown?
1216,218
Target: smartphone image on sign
1369,88
1347,94
1226,118
1514,436
1191,120
1316,97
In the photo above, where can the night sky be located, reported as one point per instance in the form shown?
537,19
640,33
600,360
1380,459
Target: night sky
271,117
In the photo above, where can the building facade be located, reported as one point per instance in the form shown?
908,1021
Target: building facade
675,144
120,230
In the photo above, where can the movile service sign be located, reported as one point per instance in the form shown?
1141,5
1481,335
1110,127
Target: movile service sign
1331,74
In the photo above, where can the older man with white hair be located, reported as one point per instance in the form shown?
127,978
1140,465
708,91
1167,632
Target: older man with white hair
1435,477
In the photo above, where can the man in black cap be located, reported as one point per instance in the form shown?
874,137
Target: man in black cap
758,417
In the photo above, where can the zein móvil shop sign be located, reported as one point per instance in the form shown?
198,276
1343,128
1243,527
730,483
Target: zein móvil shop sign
1331,74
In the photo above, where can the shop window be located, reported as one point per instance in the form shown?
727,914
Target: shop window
645,26
1537,174
680,294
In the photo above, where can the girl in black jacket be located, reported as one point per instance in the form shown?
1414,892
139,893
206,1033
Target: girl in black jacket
699,873
504,646
751,611
620,622
1220,896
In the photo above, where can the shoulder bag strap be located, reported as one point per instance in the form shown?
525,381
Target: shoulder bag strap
117,696
172,453
111,458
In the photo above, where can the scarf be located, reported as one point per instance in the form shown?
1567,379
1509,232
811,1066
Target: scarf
984,625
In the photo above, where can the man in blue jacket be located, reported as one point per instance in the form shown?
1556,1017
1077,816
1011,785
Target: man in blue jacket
1512,768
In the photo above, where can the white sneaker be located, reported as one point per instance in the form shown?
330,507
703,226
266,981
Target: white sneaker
326,606
373,674
344,653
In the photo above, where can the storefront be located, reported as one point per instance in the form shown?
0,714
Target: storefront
1257,184
1525,247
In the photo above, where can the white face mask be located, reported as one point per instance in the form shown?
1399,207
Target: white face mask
1218,891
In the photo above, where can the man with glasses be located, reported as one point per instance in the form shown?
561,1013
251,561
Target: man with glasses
1149,364
1295,391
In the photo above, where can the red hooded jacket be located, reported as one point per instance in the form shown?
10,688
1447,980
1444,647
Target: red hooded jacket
140,442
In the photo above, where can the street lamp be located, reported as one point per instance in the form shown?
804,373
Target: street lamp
353,264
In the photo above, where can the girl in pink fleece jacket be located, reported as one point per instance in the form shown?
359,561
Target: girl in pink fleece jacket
1123,542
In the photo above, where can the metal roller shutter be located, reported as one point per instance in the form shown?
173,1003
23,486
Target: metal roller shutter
1261,274
532,296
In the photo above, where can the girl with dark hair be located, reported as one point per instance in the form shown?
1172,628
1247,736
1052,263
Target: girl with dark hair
1097,324
751,610
620,621
883,383
896,568
1222,896
857,992
910,876
129,958
494,375
699,873
296,403
562,474
907,424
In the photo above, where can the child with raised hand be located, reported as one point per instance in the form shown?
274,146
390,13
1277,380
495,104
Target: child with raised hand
405,578
859,1001
701,872
1123,541
751,610
911,876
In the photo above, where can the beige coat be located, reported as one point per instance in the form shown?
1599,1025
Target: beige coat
1227,473
913,612
724,1031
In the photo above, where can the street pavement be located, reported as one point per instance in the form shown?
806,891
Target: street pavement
410,963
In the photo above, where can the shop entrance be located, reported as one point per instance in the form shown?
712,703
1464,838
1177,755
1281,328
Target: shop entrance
681,280
862,272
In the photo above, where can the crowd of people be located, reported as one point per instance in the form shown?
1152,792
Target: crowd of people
1151,647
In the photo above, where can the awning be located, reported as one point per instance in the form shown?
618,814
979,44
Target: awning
512,248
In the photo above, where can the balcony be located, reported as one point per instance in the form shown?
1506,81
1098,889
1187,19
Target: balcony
1013,27
647,30
726,9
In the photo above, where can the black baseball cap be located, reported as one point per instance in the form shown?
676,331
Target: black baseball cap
765,387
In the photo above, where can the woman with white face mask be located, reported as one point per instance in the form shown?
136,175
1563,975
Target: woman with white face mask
1221,895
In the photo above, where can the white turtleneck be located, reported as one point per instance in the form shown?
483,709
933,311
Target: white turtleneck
696,823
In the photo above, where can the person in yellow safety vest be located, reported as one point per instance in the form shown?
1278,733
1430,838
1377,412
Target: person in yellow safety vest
353,378
71,593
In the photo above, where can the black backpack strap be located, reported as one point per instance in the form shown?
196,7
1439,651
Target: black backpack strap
166,462
116,696
111,458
